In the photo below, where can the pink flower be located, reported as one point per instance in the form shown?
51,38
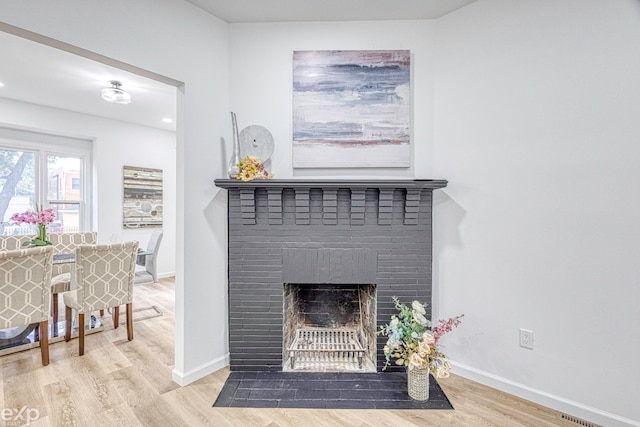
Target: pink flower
45,216
445,326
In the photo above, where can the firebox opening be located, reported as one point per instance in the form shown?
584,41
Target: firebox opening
329,327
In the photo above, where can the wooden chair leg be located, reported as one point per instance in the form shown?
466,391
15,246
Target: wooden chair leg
81,332
116,317
129,321
102,313
44,342
54,298
68,321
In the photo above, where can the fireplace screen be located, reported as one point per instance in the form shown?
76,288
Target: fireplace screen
329,328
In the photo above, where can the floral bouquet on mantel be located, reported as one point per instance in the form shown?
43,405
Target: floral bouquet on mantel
252,168
42,218
413,342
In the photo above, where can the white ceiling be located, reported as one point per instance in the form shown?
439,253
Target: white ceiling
39,74
237,11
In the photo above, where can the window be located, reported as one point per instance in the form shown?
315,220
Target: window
17,188
63,192
49,173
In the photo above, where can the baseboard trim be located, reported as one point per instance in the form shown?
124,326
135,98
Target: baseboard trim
540,397
183,379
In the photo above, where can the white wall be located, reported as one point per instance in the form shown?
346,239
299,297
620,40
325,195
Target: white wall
115,144
178,40
261,80
537,127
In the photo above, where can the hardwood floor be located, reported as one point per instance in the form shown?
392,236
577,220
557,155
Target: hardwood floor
128,383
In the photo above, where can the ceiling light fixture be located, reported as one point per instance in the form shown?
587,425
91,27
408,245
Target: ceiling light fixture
167,119
115,94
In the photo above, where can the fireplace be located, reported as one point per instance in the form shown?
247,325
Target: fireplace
314,264
329,328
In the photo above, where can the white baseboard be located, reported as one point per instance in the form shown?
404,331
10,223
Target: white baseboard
183,379
557,403
165,275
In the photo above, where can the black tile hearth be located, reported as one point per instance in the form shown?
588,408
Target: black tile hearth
385,390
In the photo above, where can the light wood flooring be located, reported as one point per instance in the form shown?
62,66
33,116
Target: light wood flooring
128,383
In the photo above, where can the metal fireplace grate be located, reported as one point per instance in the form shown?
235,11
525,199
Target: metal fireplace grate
322,349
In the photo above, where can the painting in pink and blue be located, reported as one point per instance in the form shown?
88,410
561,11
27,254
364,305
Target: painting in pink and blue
351,108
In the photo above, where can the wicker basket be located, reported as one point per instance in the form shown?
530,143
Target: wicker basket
418,383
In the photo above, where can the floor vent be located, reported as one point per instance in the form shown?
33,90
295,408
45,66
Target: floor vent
579,421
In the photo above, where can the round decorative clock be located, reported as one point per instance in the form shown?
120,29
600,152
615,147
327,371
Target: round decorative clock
256,140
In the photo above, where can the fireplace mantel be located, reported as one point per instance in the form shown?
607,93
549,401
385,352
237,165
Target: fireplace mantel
412,192
333,183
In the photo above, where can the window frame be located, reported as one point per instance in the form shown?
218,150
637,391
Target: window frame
44,145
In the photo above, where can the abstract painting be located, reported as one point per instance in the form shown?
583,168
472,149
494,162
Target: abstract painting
142,206
351,108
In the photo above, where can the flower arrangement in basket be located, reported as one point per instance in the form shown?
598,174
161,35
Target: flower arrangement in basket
41,218
252,168
413,342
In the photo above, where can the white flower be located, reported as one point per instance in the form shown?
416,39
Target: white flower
420,318
418,307
428,338
424,347
415,361
442,372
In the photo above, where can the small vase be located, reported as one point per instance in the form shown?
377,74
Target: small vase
418,383
42,232
234,170
40,239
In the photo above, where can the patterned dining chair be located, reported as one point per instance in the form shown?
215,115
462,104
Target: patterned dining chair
65,243
104,278
25,277
11,243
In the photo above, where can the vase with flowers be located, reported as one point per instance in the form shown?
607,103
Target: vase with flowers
41,219
250,168
413,343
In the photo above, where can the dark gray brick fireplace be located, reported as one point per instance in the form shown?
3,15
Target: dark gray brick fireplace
321,232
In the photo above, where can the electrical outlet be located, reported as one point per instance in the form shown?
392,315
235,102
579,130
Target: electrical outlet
526,338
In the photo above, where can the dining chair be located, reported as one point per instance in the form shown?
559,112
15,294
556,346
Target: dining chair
147,265
104,279
25,277
11,243
65,243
